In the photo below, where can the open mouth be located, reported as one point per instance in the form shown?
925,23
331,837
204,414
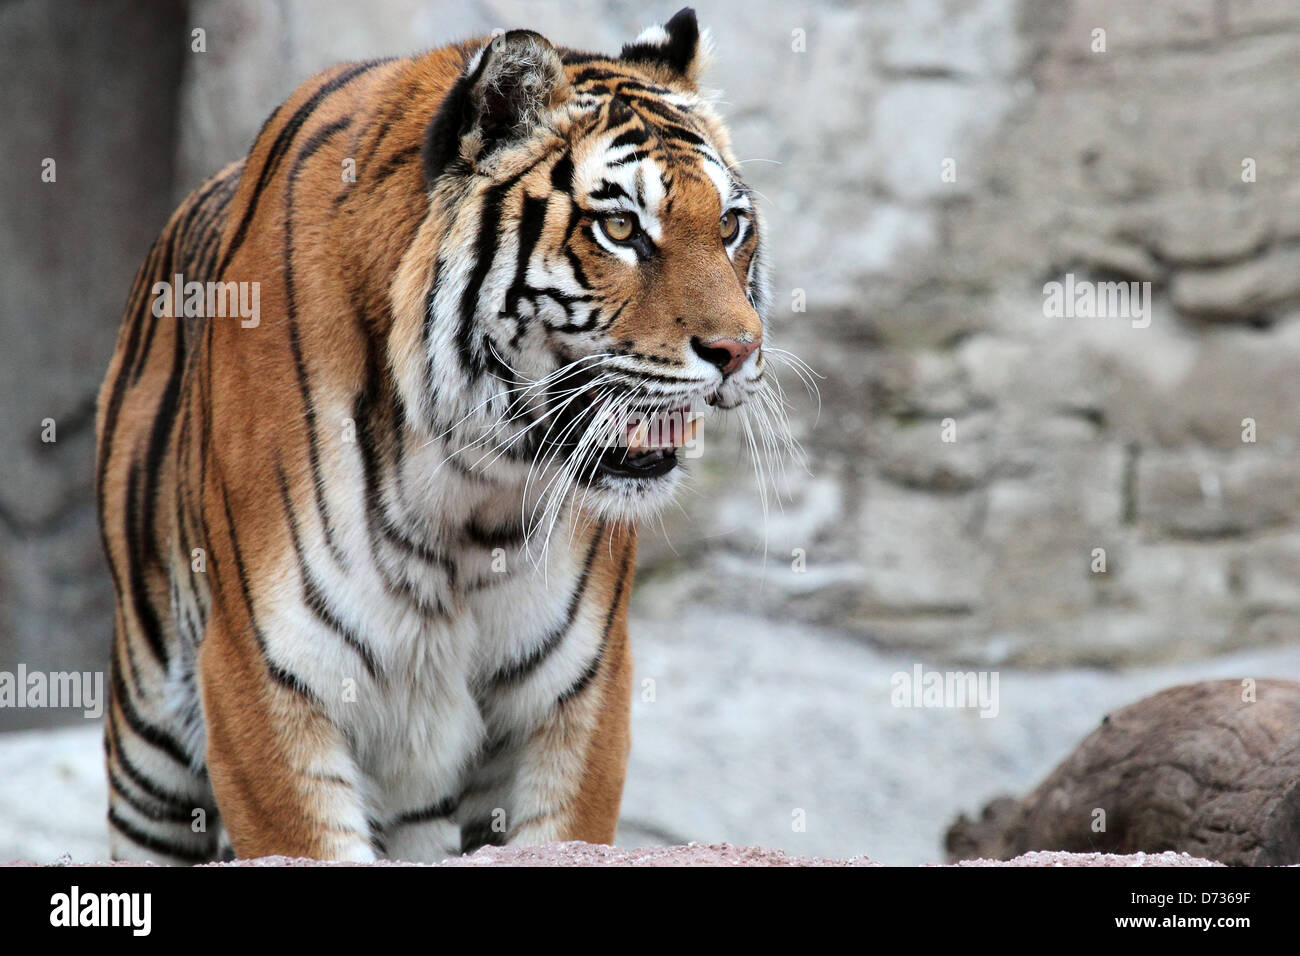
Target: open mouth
622,463
648,444
623,441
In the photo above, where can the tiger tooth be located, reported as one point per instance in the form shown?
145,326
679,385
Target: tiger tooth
638,437
688,432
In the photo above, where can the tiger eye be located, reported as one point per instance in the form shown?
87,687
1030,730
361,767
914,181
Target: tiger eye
619,227
728,225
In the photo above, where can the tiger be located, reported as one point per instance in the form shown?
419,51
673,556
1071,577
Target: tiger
372,541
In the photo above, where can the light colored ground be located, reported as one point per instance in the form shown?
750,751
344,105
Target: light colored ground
716,854
750,722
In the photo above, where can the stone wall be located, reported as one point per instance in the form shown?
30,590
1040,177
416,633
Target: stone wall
927,167
926,303
74,92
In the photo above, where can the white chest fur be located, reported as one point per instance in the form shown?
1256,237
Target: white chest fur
428,646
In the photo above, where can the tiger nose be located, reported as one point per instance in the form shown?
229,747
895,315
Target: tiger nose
727,354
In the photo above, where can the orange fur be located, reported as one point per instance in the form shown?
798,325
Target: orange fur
222,441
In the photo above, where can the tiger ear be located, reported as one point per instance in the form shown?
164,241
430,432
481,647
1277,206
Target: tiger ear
501,98
677,48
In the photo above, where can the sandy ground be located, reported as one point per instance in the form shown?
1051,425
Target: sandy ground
750,733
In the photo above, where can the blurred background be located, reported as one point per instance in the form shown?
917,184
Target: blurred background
926,167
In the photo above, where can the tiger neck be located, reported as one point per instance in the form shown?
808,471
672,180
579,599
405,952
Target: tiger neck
456,498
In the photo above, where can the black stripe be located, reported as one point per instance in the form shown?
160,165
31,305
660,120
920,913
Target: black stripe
134,323
160,435
650,104
202,253
278,674
485,250
281,145
214,201
654,376
575,263
176,234
175,260
381,130
162,811
367,401
633,94
313,144
416,549
155,736
562,174
531,221
519,670
138,777
442,137
489,225
600,73
123,647
630,137
312,594
443,808
575,57
156,843
397,161
397,438
139,551
197,207
141,548
377,516
609,190
479,833
376,830
508,536
430,389
163,416
593,668
678,132
314,598
313,448
141,287
149,321
608,323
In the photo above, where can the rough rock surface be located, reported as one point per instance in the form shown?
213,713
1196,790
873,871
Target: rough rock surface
68,252
1211,769
698,854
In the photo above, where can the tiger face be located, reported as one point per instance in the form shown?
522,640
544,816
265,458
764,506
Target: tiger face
603,286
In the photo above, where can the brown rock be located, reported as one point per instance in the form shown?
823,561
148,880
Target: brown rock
1193,768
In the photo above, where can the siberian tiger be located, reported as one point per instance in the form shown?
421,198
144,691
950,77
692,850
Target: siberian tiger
372,545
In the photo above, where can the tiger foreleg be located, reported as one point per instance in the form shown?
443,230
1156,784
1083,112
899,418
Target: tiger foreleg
570,780
284,778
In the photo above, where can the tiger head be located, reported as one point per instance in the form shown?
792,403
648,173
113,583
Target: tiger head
599,283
